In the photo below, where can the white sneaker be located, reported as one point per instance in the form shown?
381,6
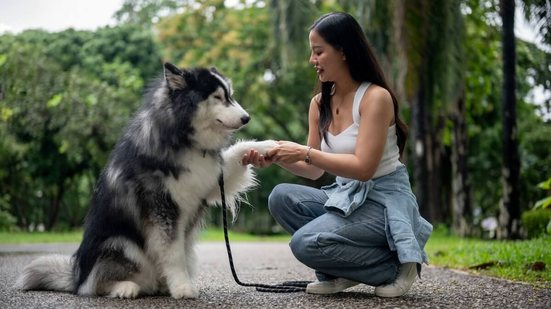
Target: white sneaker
406,277
330,286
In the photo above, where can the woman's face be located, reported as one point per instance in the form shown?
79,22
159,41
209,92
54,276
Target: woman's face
328,61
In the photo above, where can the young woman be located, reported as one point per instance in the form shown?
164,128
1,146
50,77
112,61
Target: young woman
365,227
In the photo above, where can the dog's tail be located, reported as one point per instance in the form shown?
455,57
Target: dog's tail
53,272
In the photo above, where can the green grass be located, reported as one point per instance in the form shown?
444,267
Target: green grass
507,259
208,235
39,237
214,234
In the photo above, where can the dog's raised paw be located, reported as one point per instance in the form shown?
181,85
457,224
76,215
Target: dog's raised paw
264,146
124,289
184,291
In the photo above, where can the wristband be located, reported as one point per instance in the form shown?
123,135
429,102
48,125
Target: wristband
307,159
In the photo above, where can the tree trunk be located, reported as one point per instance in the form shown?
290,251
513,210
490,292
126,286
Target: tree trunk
461,202
510,207
55,205
419,134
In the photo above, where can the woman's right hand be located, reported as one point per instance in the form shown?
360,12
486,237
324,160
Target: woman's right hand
256,159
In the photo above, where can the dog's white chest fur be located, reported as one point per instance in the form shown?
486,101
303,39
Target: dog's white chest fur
198,177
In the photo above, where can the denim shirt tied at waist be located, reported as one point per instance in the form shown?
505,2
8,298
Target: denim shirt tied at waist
407,232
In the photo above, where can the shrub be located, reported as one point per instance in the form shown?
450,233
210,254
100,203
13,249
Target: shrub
7,221
535,221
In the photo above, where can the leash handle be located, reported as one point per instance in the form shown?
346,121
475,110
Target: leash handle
285,287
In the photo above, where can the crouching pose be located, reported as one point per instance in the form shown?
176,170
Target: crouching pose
365,227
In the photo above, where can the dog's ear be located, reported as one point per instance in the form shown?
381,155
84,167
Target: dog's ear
175,78
228,81
213,69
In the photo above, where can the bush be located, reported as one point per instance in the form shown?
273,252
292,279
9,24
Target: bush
7,221
535,221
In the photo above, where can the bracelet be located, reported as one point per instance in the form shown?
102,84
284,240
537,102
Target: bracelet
307,159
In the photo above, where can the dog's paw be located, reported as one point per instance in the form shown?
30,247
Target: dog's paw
125,289
264,146
185,290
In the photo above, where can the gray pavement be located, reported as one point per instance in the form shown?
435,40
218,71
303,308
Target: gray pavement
272,263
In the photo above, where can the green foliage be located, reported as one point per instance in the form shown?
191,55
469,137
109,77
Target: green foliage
546,201
58,91
536,221
7,221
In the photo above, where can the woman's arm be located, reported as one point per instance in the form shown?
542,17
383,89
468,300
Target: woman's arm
377,114
299,167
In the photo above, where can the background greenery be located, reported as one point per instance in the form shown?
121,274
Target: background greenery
65,97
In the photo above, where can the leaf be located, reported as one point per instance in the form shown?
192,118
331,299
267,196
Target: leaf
537,266
3,59
545,185
485,265
543,203
6,113
55,100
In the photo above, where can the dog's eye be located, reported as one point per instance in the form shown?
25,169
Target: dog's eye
219,97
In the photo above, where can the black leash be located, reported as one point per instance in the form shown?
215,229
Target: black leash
285,287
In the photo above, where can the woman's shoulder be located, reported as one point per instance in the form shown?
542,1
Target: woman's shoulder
377,101
376,92
316,99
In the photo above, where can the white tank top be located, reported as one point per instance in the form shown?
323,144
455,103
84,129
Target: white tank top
345,142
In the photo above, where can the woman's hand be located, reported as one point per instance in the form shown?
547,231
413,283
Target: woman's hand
256,159
287,152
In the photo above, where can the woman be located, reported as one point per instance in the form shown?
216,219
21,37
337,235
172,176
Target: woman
365,227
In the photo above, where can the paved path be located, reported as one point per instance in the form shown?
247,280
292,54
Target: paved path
272,263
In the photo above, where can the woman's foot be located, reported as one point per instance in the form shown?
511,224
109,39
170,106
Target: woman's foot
330,286
406,277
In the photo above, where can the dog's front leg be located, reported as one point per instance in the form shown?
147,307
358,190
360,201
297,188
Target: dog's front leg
178,278
238,178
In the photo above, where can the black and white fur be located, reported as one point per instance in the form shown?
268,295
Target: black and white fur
148,204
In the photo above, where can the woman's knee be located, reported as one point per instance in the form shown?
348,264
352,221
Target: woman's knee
278,198
304,247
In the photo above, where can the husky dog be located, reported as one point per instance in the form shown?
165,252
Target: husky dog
148,203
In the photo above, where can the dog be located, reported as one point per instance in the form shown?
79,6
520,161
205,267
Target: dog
149,201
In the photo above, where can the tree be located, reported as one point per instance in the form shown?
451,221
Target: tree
509,218
58,91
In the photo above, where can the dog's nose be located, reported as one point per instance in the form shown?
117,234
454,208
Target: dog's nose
245,119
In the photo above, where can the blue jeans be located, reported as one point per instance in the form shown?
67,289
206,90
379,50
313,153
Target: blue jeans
355,247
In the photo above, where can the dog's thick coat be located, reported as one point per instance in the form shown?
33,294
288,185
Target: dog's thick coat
149,200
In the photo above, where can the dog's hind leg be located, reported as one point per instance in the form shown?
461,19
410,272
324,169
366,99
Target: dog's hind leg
122,270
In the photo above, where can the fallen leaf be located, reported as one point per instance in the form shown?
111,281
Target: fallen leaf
485,265
537,266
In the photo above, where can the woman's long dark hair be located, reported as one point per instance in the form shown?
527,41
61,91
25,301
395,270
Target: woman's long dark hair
344,33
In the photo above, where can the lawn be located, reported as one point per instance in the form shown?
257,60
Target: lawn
527,260
523,260
208,235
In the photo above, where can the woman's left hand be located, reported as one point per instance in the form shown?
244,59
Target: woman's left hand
287,152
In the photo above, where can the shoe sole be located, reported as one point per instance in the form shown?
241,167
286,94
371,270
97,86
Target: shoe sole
322,291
